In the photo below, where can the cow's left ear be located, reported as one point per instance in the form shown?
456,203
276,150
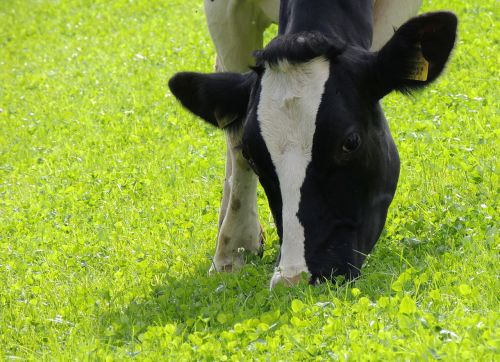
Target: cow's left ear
218,98
416,54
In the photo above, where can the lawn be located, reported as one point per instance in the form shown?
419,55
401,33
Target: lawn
109,193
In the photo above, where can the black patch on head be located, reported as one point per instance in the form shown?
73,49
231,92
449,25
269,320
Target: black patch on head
221,99
300,47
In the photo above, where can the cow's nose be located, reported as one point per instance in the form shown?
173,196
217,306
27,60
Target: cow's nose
279,278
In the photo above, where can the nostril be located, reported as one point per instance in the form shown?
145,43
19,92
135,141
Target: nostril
316,280
341,273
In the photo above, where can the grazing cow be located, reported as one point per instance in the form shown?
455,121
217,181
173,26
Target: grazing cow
306,120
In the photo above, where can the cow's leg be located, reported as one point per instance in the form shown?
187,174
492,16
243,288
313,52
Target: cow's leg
389,15
227,187
239,229
236,27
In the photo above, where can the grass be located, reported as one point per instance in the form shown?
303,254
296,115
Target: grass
109,194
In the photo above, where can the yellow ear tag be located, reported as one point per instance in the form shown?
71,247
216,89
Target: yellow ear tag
419,68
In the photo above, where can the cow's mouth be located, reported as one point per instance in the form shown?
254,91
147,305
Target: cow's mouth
336,276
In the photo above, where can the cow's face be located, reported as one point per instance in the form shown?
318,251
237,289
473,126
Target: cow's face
318,140
314,133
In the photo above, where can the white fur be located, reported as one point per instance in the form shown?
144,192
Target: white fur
239,227
236,28
228,20
389,15
289,102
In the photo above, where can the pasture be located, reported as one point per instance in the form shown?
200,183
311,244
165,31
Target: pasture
109,192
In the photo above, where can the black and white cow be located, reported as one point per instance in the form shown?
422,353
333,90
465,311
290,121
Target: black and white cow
307,121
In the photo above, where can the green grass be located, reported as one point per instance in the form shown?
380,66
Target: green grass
109,194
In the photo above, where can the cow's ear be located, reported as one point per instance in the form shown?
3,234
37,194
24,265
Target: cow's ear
416,54
219,98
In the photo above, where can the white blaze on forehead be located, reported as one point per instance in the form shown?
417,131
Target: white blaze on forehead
289,102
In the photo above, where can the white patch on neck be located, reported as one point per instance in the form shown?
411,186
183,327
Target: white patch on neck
289,102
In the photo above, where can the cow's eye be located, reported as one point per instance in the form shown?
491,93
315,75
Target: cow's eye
351,143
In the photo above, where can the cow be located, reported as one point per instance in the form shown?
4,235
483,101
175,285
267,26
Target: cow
302,116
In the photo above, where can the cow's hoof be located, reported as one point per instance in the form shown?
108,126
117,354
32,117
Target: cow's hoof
228,268
279,278
223,268
227,264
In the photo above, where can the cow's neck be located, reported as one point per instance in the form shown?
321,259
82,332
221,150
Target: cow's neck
349,20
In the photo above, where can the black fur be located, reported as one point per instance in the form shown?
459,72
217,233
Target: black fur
349,20
300,47
345,196
220,98
432,35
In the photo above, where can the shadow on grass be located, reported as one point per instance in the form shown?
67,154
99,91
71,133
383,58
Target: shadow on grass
195,301
198,302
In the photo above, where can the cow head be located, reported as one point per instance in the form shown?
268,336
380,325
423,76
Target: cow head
314,133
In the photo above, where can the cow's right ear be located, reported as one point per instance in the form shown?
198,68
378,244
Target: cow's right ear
218,98
417,53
